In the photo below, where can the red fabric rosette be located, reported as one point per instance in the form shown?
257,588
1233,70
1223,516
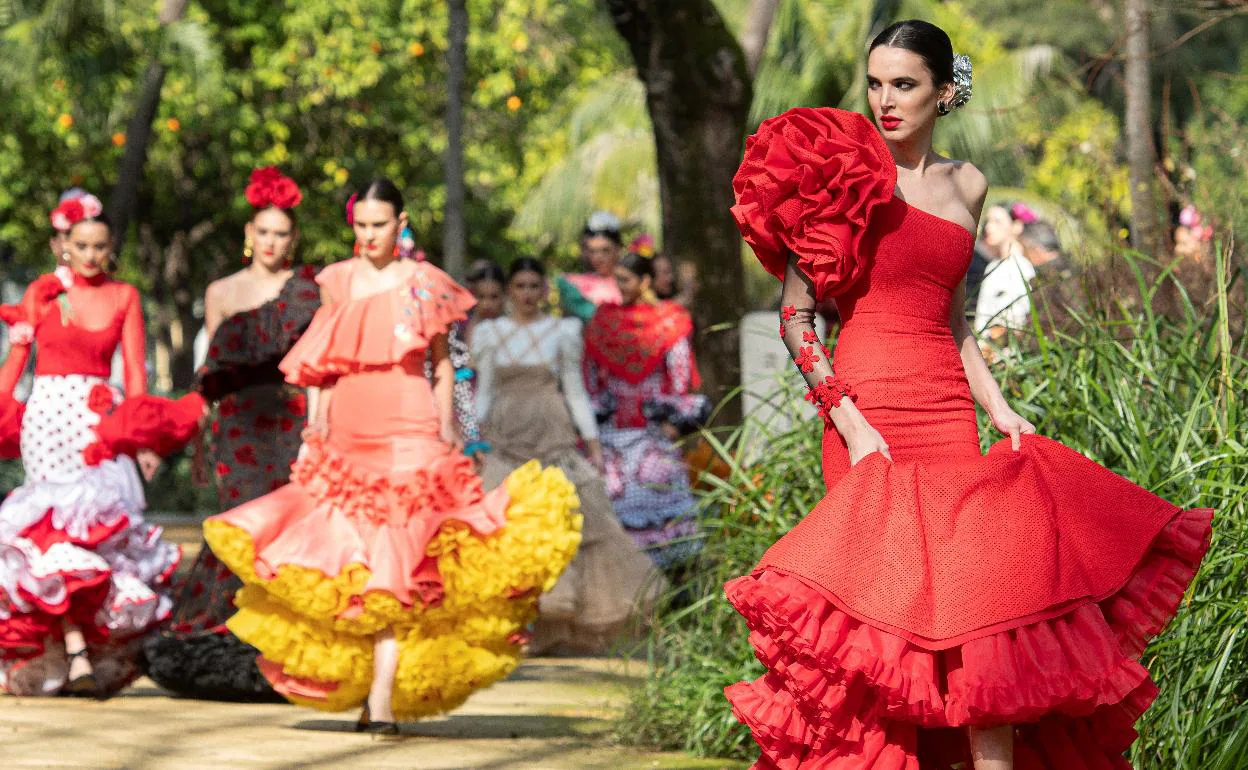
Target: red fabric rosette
146,422
808,184
270,187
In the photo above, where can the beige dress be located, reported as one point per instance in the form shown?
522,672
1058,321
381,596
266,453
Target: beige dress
532,402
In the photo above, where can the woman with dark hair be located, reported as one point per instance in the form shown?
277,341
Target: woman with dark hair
532,400
641,374
938,608
581,294
1003,303
253,318
384,574
82,576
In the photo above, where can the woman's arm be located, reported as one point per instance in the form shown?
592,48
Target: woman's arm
443,390
802,340
134,345
571,367
319,396
483,349
973,188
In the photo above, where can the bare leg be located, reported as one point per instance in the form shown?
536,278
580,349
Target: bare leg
385,665
74,642
993,748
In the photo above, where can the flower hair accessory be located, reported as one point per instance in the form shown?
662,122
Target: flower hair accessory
962,86
73,210
642,245
351,208
1021,212
269,187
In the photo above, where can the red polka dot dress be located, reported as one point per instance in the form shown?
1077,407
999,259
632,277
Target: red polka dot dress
944,588
73,542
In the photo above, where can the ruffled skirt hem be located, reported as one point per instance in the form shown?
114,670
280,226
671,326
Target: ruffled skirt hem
314,628
842,694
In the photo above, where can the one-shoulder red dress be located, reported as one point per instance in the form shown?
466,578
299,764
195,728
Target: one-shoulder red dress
945,588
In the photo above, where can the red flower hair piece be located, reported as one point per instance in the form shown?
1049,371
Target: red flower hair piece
73,210
270,187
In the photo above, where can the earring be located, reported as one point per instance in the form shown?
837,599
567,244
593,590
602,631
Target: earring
356,250
247,251
287,262
942,108
65,258
396,250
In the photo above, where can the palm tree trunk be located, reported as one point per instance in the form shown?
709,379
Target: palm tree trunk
757,30
124,201
698,93
1141,158
454,233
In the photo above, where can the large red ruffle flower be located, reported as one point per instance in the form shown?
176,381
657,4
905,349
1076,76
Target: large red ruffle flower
270,187
808,184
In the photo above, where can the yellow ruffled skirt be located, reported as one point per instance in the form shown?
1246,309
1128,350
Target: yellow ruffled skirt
314,627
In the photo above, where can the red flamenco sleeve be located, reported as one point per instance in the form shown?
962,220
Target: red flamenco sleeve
807,185
144,422
797,329
134,345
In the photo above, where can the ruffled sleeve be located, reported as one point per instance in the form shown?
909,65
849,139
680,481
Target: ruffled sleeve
808,184
142,422
247,346
378,331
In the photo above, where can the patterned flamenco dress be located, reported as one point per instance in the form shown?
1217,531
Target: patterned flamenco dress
531,393
640,373
945,588
255,438
73,543
384,526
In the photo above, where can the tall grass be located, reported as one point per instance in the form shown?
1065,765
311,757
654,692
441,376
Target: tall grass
1159,400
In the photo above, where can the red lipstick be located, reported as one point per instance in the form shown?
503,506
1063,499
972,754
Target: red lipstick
889,122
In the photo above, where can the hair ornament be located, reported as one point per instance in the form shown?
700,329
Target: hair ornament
962,82
73,210
269,187
1021,212
643,245
351,208
1190,218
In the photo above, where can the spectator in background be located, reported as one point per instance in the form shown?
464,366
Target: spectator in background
670,283
1055,290
580,294
1003,302
486,282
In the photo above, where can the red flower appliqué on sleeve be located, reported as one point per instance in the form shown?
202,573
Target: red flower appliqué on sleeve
782,330
828,395
810,337
806,360
787,312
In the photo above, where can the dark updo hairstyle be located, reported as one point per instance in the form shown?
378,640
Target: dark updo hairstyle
610,233
101,218
927,40
381,189
525,265
487,272
642,267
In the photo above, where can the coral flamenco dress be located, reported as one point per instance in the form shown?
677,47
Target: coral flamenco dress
383,525
945,588
73,543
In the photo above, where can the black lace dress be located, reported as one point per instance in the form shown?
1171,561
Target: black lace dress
255,437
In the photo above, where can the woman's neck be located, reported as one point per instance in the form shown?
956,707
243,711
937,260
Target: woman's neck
525,317
913,155
383,262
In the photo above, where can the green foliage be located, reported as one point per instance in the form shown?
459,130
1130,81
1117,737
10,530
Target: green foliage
1156,400
1080,169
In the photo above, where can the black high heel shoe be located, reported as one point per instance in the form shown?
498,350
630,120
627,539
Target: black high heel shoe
367,725
85,686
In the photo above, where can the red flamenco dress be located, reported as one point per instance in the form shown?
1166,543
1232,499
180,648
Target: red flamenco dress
946,588
73,542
